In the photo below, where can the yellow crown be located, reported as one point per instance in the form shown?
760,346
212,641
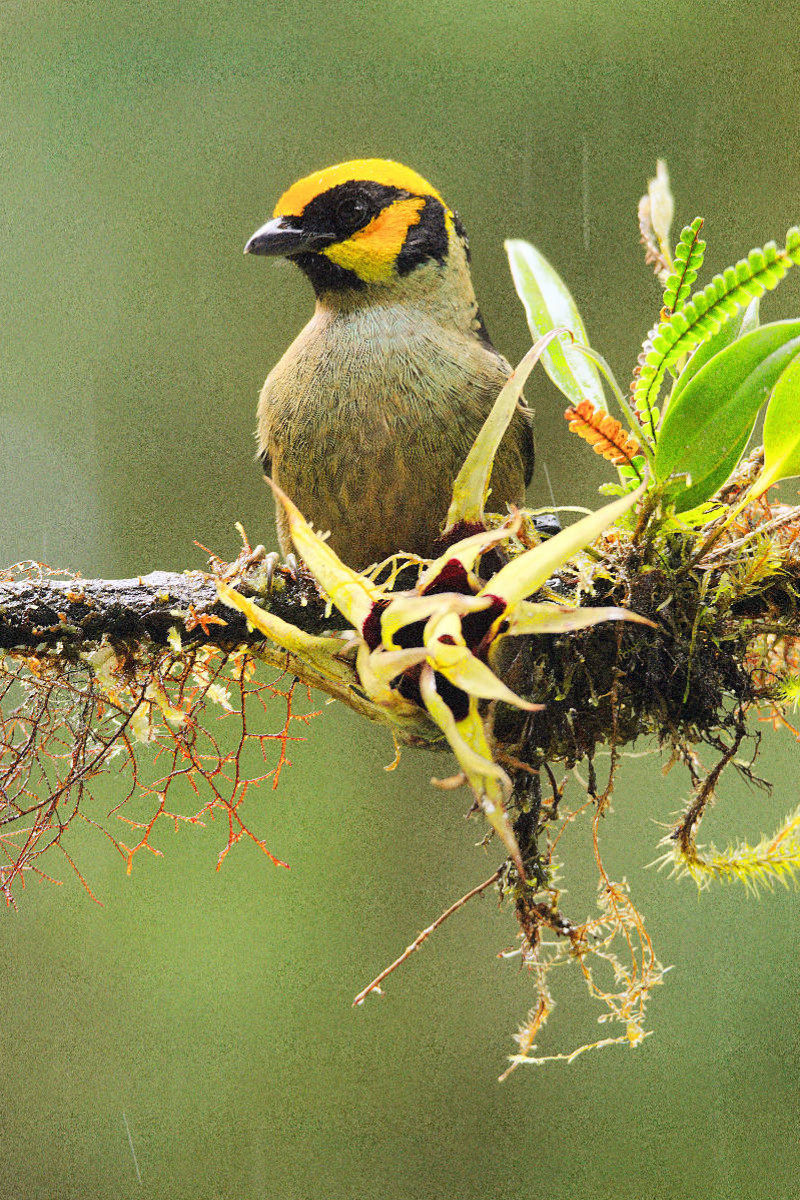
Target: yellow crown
375,170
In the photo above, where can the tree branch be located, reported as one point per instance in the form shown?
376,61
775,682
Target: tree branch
46,612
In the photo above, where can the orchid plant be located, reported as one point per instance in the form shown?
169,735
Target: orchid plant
426,659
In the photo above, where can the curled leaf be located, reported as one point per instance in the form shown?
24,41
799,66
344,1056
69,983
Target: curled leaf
472,482
662,207
467,738
352,593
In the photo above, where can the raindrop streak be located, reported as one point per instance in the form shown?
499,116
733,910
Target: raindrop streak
133,1152
585,191
549,484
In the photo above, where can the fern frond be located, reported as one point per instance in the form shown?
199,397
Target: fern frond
604,433
771,860
707,311
649,416
689,254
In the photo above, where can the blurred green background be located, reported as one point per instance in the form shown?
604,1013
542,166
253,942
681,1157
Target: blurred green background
140,145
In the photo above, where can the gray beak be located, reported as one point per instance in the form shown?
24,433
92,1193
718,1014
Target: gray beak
285,236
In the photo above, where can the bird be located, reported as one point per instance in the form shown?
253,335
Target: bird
367,418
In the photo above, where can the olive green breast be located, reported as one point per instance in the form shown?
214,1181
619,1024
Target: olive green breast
367,419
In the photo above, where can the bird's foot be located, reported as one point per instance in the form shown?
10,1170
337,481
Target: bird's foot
272,562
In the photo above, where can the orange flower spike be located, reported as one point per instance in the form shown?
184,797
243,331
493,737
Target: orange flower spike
604,433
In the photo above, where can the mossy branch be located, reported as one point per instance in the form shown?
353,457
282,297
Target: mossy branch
715,606
42,612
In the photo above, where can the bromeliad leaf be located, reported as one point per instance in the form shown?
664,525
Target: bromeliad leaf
707,428
548,304
662,207
656,209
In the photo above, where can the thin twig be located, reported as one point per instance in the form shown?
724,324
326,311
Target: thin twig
426,933
768,526
684,832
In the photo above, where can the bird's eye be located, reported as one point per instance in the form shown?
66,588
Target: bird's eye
351,211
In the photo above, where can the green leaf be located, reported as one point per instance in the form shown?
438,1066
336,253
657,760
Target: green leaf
781,431
744,322
548,304
708,310
689,254
687,498
707,428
